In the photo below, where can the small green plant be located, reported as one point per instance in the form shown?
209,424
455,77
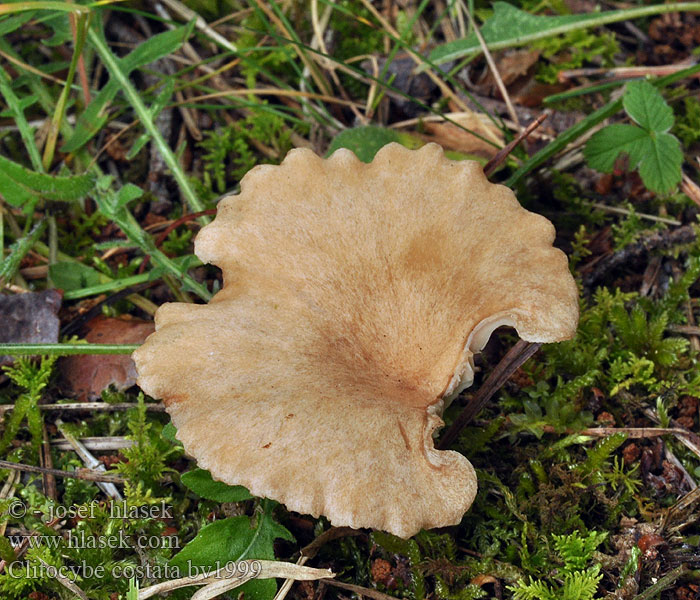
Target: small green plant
33,377
628,230
575,579
146,458
648,144
687,126
573,50
230,152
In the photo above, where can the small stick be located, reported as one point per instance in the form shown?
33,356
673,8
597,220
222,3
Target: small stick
100,444
510,363
46,461
90,462
624,72
623,211
309,551
66,583
503,153
684,503
85,474
359,590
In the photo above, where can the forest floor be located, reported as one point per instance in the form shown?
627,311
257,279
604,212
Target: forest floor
123,124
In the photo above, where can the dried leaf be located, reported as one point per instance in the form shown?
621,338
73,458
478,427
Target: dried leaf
511,65
86,376
451,137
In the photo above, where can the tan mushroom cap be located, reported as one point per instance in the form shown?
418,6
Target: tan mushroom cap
354,297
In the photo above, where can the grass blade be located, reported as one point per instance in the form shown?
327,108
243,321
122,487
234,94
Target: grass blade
112,64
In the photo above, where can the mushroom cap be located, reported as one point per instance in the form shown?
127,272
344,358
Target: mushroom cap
354,298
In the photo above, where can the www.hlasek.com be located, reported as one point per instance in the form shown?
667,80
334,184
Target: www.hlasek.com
245,568
81,539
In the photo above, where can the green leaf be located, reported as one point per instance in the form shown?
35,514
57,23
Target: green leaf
169,432
605,146
366,141
201,483
661,167
650,148
21,187
156,108
73,275
234,539
510,26
10,24
126,194
646,106
16,107
94,116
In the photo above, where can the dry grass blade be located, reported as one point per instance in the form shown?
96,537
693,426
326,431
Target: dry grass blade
494,70
188,14
233,575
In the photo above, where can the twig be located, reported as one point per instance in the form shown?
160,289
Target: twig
624,72
657,239
89,406
662,584
510,363
188,14
309,551
685,329
690,189
689,439
624,211
503,153
67,583
47,462
85,474
90,462
359,590
685,502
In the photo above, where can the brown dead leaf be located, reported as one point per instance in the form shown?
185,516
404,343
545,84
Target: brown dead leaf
86,376
451,137
511,65
29,319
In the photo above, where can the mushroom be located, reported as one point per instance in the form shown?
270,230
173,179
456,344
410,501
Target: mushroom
355,296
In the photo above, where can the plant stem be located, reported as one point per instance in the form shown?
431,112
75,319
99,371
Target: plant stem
64,349
59,112
110,61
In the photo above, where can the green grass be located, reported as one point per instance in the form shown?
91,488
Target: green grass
121,129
